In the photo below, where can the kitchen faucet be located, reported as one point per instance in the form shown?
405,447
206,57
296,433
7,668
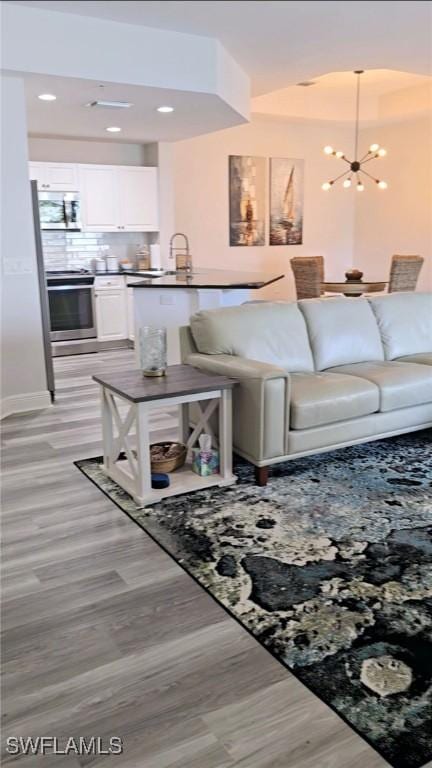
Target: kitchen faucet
186,264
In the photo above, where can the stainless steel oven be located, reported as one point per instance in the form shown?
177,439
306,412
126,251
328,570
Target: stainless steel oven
71,305
60,210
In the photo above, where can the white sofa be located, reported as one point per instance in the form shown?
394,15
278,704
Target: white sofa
319,374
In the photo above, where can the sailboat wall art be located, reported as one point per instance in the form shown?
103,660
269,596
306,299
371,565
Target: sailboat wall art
286,201
247,178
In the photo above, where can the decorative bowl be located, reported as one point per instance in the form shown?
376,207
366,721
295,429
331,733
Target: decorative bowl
353,275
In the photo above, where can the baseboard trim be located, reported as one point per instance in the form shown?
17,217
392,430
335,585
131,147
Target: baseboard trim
31,401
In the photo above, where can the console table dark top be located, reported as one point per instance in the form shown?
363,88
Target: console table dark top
179,380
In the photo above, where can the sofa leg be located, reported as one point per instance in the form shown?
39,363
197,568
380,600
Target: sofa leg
261,475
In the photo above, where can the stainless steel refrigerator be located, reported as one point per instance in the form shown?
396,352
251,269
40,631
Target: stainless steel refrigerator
43,292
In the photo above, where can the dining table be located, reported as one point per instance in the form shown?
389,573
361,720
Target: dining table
354,287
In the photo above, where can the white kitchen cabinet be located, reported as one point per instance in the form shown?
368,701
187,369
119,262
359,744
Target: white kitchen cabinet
55,177
119,198
130,297
138,203
130,313
99,201
111,314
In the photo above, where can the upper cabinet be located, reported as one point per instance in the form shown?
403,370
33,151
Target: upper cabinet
55,177
114,198
99,198
138,203
119,198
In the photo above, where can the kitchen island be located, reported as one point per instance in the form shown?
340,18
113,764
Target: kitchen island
169,301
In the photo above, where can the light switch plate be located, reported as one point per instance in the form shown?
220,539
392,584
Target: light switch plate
17,267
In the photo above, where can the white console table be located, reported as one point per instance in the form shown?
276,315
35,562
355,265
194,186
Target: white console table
126,437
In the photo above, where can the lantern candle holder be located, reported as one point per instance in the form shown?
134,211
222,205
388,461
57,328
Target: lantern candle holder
153,351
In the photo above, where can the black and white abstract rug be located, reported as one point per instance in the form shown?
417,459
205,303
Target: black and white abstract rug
330,568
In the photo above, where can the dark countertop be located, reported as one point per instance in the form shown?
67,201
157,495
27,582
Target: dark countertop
127,272
210,278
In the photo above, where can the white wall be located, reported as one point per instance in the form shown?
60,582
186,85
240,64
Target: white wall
201,198
167,200
43,149
23,382
399,219
69,45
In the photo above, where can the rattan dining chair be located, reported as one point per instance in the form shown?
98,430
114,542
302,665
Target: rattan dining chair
308,275
404,273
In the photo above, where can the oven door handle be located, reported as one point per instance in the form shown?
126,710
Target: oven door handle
69,287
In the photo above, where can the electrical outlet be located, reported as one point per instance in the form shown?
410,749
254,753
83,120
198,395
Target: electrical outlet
166,300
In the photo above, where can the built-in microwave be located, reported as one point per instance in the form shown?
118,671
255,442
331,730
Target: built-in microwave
60,210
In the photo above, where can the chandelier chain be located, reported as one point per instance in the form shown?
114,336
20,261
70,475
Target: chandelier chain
357,116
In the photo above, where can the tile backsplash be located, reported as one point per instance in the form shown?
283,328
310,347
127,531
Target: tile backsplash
69,250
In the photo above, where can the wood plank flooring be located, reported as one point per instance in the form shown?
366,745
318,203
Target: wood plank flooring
103,634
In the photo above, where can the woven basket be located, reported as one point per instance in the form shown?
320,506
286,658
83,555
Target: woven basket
169,465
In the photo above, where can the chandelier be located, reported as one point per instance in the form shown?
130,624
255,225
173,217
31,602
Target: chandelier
356,166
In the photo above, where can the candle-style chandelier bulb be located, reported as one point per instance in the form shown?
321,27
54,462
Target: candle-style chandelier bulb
355,167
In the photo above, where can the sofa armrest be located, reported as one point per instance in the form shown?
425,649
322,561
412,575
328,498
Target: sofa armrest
237,367
261,403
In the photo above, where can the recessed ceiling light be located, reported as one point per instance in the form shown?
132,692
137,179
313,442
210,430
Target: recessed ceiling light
113,129
165,109
47,97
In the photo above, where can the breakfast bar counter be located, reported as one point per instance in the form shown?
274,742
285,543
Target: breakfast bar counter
170,300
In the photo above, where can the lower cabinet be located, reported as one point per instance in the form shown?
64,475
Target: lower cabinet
111,314
130,313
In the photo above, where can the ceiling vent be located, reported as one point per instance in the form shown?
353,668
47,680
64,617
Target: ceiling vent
307,83
110,104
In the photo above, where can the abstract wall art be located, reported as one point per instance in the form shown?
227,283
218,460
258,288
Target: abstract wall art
286,201
247,200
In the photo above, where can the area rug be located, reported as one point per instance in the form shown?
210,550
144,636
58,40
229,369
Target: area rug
330,568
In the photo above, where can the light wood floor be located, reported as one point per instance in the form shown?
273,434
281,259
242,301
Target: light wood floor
105,635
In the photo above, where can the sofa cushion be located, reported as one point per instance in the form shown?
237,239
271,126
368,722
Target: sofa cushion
424,358
341,331
324,398
405,323
271,332
400,384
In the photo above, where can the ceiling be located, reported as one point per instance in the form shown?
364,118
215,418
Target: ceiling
383,93
279,43
195,113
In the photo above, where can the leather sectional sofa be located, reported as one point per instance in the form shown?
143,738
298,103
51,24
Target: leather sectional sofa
318,374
